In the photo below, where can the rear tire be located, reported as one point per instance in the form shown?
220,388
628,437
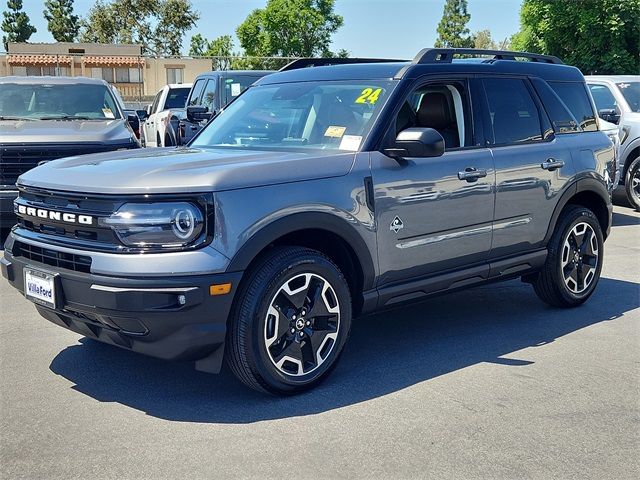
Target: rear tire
574,259
632,184
290,321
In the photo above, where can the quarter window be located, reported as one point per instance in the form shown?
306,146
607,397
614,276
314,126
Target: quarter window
575,97
514,115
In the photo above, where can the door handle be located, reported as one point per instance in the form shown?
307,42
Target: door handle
472,174
552,164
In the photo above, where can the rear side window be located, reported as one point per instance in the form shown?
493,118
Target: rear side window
575,97
196,91
514,115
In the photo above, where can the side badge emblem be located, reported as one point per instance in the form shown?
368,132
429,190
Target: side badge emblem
396,225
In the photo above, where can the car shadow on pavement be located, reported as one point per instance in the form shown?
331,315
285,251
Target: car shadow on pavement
387,352
623,220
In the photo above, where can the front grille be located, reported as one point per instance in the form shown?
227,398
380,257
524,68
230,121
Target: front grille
54,258
17,159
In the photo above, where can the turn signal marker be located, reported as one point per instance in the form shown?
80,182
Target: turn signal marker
220,289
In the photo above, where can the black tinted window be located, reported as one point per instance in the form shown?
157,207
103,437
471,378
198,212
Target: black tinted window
234,86
575,97
177,98
196,90
603,98
514,115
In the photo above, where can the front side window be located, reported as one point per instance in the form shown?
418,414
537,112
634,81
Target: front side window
321,115
196,91
514,115
57,102
441,106
603,98
209,95
631,93
575,97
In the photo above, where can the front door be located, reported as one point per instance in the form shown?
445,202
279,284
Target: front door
435,214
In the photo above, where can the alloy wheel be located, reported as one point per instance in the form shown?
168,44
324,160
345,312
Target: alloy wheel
302,324
580,258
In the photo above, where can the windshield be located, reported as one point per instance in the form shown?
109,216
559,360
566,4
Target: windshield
177,98
321,115
631,93
53,102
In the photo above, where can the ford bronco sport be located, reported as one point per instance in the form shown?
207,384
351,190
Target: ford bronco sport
318,195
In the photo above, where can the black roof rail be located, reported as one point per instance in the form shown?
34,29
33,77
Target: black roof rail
323,62
445,55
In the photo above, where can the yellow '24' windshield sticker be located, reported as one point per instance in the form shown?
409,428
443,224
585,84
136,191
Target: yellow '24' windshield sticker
369,95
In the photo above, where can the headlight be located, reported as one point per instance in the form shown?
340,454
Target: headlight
161,224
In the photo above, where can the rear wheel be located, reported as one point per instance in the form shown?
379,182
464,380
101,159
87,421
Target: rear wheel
632,184
574,260
290,321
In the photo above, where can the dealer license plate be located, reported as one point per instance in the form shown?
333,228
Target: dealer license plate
40,287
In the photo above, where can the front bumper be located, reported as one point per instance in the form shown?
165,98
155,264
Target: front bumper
144,315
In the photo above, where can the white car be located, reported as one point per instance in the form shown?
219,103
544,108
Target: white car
157,131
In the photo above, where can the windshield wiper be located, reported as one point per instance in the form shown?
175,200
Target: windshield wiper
3,117
66,117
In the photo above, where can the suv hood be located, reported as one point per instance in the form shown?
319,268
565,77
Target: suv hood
176,170
63,131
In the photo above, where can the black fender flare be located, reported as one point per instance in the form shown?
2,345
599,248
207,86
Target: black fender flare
581,185
306,221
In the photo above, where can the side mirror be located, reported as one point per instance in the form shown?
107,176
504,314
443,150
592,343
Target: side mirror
133,121
610,115
142,115
417,142
196,113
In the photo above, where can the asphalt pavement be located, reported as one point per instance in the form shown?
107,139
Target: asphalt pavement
487,383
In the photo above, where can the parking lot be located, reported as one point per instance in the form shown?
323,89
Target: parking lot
486,383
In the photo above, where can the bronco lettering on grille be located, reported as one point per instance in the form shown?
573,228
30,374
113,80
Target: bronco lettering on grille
53,215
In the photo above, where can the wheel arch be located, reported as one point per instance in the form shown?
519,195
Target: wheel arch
320,231
589,193
631,156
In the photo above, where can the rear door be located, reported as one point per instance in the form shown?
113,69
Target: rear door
532,164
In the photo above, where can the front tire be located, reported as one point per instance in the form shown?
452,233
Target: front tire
574,260
632,184
290,321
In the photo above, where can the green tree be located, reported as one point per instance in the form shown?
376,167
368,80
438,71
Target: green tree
159,25
62,23
290,28
452,29
483,40
597,36
220,48
16,24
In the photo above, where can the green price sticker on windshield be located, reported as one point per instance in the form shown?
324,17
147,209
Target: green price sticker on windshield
369,95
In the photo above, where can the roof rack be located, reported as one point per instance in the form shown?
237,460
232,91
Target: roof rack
323,62
445,55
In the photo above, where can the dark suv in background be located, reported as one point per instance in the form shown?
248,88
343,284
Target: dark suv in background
321,194
44,118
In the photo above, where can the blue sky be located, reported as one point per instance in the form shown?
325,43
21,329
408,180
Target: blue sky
374,28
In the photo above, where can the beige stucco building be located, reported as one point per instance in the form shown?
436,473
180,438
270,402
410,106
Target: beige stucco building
136,76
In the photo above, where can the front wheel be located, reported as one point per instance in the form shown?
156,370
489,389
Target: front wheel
632,184
290,321
574,260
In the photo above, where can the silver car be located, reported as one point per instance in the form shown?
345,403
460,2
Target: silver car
617,98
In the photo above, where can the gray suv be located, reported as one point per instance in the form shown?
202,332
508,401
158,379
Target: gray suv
318,195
